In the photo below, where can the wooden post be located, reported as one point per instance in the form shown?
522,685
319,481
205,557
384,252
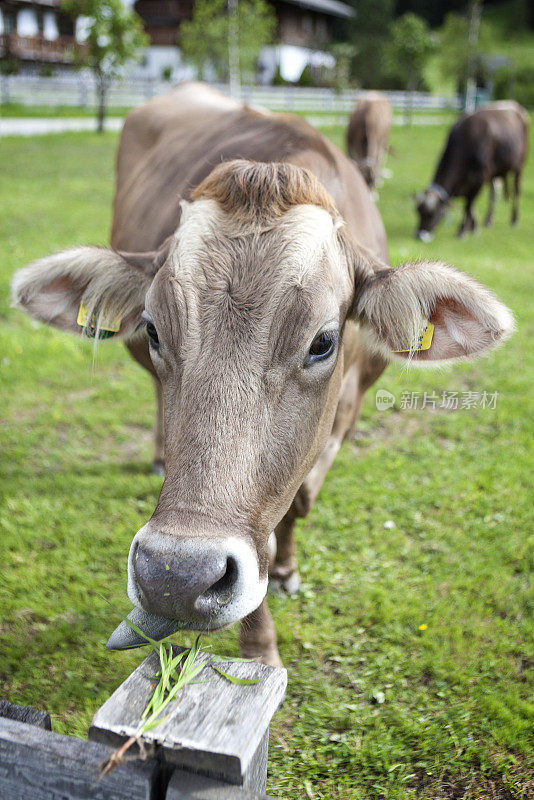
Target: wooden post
25,714
188,786
36,764
216,728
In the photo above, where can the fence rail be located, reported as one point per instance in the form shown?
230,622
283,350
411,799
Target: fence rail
80,90
212,745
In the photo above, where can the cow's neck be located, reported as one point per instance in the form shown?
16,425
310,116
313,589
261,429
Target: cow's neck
451,171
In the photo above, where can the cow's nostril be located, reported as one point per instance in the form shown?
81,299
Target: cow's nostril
222,590
185,581
204,583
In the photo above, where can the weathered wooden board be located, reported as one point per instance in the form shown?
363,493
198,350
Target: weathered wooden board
25,714
36,764
216,727
188,786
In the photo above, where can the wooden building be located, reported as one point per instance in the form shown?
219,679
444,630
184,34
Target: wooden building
36,32
304,28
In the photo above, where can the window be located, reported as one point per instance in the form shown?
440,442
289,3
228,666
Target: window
10,22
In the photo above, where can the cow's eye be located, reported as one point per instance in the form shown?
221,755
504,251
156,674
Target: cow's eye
322,346
153,334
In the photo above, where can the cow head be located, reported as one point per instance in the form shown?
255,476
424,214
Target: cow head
244,310
431,205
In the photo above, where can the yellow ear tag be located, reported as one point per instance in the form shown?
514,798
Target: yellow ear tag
423,341
108,325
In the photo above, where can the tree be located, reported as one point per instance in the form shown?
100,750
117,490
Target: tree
432,10
369,36
343,53
409,49
215,37
475,12
114,37
455,54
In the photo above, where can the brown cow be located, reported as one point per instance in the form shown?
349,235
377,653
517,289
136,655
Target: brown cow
368,134
482,146
256,281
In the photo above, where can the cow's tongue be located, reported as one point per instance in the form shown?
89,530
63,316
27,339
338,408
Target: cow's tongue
124,637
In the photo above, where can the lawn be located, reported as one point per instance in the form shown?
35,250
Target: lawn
8,110
410,647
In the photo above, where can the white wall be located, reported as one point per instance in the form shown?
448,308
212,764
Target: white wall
157,57
292,60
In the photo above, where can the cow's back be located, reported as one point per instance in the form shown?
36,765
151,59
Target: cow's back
495,136
169,145
508,125
369,126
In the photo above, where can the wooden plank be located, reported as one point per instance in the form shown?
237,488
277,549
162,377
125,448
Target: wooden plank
36,764
216,727
188,786
25,714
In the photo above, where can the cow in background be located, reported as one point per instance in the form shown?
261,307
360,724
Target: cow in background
488,144
368,134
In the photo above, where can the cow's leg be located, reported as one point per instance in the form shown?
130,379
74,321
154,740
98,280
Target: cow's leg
362,374
515,198
283,571
462,230
491,208
257,637
139,350
505,186
469,223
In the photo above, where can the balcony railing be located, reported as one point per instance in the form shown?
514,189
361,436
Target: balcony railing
37,48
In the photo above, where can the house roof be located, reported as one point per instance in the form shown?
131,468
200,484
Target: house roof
333,7
35,3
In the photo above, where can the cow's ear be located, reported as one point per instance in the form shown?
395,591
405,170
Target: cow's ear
428,312
88,289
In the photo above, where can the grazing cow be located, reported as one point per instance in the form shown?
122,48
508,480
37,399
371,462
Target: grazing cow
368,133
482,146
256,283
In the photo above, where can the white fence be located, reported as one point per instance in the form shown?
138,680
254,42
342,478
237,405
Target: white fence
80,90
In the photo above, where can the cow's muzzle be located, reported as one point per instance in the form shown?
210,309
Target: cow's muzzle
424,236
199,582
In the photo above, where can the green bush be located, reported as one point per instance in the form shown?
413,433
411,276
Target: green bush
46,71
166,73
306,77
278,80
9,66
392,81
510,84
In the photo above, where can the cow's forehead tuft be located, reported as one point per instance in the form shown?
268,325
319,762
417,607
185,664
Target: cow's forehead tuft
249,190
293,243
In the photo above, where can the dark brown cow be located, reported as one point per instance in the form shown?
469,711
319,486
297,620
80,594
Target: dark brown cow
255,281
368,134
489,143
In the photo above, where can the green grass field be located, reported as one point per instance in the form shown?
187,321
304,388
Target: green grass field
8,110
410,648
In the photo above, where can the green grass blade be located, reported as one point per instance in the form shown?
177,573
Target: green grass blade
233,679
139,632
230,660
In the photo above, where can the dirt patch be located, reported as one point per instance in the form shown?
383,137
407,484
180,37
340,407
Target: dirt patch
135,446
393,427
473,787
